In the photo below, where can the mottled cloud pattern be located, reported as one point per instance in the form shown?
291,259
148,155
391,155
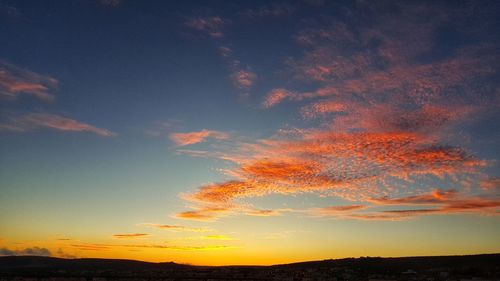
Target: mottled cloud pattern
389,109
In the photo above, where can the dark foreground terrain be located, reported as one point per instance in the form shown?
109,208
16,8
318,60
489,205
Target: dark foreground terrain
442,268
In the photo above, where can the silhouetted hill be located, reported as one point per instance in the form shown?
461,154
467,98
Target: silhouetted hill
34,264
487,265
378,264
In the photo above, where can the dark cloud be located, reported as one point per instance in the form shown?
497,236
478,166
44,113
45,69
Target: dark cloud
34,251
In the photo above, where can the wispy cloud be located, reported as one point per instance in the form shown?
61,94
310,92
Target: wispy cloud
437,202
243,78
16,81
33,121
130,235
180,228
217,237
183,139
91,247
212,26
272,10
447,203
265,213
162,128
225,51
206,213
104,247
336,210
276,96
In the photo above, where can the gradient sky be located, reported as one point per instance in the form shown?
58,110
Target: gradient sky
249,132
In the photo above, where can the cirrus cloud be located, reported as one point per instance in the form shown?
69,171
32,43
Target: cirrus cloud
183,139
179,228
16,81
34,121
130,235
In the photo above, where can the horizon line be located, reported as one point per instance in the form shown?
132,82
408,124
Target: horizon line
250,265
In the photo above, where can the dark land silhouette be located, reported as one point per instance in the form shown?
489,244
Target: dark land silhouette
432,268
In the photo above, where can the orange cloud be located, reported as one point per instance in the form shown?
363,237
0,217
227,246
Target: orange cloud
435,197
377,217
196,215
130,235
32,121
243,78
178,227
349,165
183,139
491,183
205,213
276,96
437,202
444,202
264,213
336,210
386,118
457,205
91,247
16,81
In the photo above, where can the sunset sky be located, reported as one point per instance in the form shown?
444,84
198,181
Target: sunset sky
249,132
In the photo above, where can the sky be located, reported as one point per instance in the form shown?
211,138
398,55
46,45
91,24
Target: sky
249,132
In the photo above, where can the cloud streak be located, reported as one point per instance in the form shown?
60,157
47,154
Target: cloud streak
34,121
105,247
177,228
130,235
437,202
16,81
189,138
